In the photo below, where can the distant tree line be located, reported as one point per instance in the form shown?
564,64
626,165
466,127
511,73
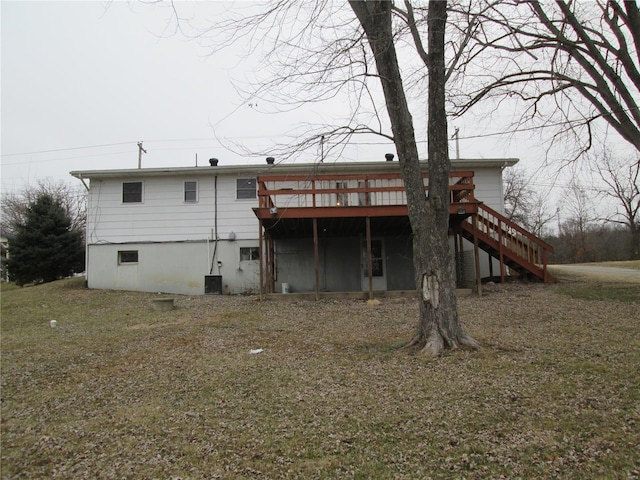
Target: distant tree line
586,234
595,243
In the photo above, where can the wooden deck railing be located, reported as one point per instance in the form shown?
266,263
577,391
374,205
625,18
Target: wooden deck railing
349,190
508,239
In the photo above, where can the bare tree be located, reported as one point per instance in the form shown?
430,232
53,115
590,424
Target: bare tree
317,51
72,198
571,63
439,326
581,219
622,180
523,203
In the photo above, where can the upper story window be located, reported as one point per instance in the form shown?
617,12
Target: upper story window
191,191
132,192
342,199
246,188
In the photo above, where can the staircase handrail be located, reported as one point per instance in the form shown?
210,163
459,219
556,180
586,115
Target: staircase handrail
506,221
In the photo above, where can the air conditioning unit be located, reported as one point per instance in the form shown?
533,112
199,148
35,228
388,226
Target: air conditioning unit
213,284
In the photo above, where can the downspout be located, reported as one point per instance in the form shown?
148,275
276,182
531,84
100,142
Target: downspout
86,236
215,222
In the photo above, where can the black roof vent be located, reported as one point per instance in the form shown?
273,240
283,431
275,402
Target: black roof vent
213,162
270,160
389,157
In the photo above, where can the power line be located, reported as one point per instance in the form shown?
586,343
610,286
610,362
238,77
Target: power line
386,142
65,149
50,160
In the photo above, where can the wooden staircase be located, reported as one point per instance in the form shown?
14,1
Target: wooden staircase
512,245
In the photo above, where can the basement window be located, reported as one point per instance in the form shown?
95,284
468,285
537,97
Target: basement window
127,257
246,188
249,253
132,192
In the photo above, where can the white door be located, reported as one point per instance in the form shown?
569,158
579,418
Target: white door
379,267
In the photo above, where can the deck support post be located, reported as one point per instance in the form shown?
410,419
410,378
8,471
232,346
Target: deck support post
271,264
462,269
369,261
477,254
456,256
316,257
490,266
500,247
262,259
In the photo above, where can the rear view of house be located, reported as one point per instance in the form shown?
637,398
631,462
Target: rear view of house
269,228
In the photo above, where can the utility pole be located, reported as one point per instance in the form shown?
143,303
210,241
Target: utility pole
456,136
140,150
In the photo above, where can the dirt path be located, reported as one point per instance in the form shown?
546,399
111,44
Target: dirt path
603,273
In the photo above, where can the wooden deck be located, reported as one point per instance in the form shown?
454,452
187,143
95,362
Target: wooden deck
356,204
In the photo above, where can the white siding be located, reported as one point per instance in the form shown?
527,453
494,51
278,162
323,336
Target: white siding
176,240
164,216
488,183
235,215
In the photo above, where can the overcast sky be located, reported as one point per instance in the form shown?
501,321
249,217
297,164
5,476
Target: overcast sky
83,82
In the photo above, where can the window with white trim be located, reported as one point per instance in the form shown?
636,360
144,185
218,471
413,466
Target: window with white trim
190,191
342,199
131,192
249,253
127,257
246,188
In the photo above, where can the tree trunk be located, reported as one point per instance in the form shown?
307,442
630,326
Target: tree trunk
439,326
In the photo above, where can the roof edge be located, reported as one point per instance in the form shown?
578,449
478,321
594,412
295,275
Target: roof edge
282,168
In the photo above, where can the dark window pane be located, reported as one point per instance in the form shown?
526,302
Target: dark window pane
190,191
128,256
132,192
246,188
249,253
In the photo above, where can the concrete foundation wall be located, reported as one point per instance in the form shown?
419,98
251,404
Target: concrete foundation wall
180,267
177,268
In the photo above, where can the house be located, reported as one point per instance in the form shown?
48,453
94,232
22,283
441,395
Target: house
271,228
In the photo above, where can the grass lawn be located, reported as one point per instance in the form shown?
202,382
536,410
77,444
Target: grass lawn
635,264
117,390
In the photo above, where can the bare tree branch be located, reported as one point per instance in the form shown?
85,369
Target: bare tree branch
567,51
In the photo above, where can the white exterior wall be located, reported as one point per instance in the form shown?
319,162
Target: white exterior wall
163,215
173,267
176,240
488,183
489,190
